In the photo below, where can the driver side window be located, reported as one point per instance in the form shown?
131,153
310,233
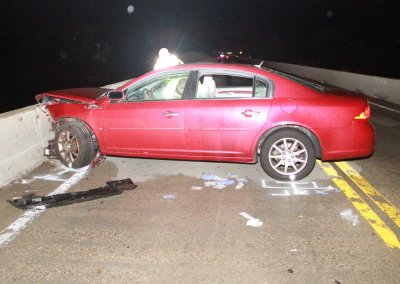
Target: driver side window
167,87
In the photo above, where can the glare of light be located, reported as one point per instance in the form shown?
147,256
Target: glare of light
240,52
130,9
221,55
292,177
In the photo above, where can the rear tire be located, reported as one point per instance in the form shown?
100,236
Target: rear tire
288,155
74,144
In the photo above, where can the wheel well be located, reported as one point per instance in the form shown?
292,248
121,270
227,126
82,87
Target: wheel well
309,133
72,119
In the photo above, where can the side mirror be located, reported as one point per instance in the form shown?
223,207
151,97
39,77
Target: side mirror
115,95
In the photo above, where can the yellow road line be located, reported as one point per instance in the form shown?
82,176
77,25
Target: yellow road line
387,235
371,192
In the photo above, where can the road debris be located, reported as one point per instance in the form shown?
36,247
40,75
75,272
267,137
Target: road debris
217,182
251,221
169,196
296,250
210,177
32,201
197,187
326,190
349,216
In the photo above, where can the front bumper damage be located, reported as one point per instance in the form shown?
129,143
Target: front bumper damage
31,201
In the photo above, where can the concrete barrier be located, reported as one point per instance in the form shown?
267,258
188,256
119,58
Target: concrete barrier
378,87
24,134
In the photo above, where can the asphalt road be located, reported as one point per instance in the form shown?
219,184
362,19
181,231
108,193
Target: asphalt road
339,225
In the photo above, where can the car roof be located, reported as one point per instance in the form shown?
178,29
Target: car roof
216,66
202,66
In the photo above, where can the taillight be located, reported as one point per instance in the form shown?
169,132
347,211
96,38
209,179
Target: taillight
365,114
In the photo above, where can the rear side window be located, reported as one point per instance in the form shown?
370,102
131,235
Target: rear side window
220,86
260,89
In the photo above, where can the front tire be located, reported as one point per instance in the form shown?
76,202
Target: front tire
74,144
288,155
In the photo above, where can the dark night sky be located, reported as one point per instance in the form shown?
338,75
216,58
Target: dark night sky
49,44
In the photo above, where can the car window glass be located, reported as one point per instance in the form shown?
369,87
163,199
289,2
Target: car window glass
224,86
169,87
261,89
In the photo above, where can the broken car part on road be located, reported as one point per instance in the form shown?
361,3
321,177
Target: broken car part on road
114,187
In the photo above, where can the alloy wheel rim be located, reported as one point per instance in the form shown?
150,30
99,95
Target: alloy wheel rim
68,147
288,156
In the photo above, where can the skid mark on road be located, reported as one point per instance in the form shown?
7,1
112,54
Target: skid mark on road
8,234
387,235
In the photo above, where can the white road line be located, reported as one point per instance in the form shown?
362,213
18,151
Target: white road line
8,234
385,107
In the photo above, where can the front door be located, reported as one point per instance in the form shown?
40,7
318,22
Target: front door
150,122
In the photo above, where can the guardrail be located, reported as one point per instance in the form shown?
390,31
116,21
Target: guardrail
24,134
377,87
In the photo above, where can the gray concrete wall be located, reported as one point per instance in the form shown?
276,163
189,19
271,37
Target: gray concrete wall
24,134
383,88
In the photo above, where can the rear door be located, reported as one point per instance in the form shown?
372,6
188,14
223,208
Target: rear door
226,115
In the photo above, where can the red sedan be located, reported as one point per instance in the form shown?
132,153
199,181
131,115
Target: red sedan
213,112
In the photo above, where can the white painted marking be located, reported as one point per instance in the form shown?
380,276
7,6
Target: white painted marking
384,107
49,177
279,188
9,233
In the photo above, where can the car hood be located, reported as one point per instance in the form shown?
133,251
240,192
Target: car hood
83,95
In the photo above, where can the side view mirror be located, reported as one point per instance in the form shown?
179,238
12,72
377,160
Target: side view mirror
115,95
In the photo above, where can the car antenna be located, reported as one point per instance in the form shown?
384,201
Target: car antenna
259,65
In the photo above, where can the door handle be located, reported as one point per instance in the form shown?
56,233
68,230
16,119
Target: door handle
250,113
169,114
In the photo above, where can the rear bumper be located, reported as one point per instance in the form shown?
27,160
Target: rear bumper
355,141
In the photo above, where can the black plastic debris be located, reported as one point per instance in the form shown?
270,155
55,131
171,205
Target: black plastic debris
111,188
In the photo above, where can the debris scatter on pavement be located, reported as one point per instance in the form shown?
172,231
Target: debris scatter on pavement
169,196
217,182
349,216
32,201
251,221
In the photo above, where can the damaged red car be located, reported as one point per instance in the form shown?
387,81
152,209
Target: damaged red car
213,112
